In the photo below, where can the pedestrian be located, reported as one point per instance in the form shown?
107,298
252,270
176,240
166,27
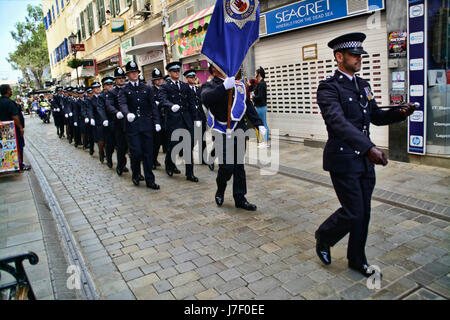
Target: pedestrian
260,102
9,111
137,104
179,103
160,138
348,107
191,78
215,98
118,124
110,141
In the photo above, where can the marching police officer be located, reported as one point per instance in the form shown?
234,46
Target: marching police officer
137,104
67,101
191,78
118,124
179,103
57,111
77,115
110,141
348,107
89,120
98,118
215,98
160,138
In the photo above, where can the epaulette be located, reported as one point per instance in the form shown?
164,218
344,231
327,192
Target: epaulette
328,79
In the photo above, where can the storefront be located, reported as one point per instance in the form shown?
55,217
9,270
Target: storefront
429,77
106,66
294,53
185,40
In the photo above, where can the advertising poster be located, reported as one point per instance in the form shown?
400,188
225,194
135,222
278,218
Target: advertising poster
9,155
397,44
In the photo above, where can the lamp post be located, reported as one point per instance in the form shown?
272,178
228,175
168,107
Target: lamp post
73,39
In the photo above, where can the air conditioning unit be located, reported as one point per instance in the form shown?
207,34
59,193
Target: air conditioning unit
142,7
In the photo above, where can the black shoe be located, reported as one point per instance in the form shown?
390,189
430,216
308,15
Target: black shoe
219,198
211,166
70,140
363,269
109,163
75,145
135,181
192,178
91,152
26,167
125,169
169,172
246,206
175,170
141,177
153,186
119,171
322,250
101,157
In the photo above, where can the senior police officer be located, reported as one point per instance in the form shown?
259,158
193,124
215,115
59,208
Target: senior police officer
160,138
137,104
215,98
191,78
178,101
118,124
348,107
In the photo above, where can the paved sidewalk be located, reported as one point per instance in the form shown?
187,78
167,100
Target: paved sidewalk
175,243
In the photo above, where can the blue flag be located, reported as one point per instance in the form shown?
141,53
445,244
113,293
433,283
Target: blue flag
233,29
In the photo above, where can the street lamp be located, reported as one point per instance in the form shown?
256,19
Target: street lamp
72,40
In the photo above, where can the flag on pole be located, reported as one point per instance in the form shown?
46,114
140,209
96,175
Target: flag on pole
233,29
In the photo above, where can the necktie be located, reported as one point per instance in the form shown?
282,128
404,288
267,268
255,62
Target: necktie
355,83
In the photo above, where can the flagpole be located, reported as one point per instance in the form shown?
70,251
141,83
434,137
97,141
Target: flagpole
230,97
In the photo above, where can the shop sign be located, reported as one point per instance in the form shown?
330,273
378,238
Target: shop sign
310,12
398,81
151,57
417,75
190,45
117,25
123,48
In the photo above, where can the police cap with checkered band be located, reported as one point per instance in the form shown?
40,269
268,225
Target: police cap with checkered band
350,42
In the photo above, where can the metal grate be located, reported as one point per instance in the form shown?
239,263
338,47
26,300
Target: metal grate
292,88
355,6
262,25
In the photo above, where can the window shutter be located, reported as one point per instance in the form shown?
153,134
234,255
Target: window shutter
101,12
57,8
90,18
117,3
129,2
66,47
62,4
83,32
53,12
45,23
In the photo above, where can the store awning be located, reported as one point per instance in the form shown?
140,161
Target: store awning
194,21
143,48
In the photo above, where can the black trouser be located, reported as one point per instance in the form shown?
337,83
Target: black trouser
91,137
141,149
110,143
159,140
202,143
233,169
69,130
77,133
354,191
121,146
171,144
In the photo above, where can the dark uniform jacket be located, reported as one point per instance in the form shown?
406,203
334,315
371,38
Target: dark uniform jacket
215,98
56,103
76,111
95,110
101,113
141,102
162,111
67,102
348,113
187,114
198,102
112,107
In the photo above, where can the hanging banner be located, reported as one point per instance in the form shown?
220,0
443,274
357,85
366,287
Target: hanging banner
9,155
417,31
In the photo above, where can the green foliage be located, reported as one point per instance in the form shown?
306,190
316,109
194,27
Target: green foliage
31,55
75,63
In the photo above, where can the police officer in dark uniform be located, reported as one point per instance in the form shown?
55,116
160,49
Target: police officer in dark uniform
89,113
166,78
348,107
215,98
137,104
160,138
191,78
68,113
178,101
98,118
57,111
110,141
77,106
142,79
118,124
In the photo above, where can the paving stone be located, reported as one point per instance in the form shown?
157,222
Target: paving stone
356,292
254,276
242,293
296,286
229,274
185,267
132,274
207,295
230,286
183,278
143,281
424,294
189,289
162,286
212,281
275,294
167,273
265,284
131,265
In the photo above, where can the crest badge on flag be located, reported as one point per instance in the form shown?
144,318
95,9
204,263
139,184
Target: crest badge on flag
240,11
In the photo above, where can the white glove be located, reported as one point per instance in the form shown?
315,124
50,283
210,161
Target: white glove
229,83
198,124
105,123
70,114
86,120
75,124
175,108
157,103
157,127
66,115
92,122
131,117
262,131
57,109
119,115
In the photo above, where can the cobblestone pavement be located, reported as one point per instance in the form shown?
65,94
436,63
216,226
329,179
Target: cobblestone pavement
175,243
